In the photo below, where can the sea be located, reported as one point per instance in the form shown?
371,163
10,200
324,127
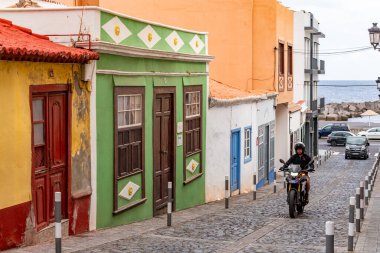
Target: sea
350,91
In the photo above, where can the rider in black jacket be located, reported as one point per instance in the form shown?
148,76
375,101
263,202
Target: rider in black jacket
303,160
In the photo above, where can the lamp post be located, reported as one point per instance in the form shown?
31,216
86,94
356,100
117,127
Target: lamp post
378,84
374,36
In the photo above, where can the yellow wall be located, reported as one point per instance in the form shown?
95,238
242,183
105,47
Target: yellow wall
15,127
272,22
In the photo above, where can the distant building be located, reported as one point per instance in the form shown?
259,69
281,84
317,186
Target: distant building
307,68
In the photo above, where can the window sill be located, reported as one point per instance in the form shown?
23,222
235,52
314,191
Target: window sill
130,174
188,181
247,160
130,206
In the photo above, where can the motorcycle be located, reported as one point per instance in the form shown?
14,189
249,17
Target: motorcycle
296,187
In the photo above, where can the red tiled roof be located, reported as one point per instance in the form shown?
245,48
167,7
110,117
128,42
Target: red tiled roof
20,44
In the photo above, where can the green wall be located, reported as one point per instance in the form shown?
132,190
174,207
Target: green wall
185,195
136,26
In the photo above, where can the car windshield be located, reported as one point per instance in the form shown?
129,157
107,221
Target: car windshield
356,141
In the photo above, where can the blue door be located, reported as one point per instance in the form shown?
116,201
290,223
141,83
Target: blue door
235,160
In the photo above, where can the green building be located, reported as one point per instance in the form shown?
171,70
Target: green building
151,104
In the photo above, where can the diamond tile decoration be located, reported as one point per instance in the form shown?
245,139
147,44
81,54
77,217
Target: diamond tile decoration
116,30
197,44
129,190
149,36
192,166
174,41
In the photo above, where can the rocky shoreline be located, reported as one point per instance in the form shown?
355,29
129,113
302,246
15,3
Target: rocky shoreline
344,111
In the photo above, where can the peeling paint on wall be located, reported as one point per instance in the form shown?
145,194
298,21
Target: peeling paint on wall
81,151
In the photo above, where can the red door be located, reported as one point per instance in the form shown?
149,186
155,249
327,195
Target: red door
49,117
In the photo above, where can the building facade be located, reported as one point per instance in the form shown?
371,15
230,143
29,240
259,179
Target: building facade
45,143
239,123
149,100
308,67
273,64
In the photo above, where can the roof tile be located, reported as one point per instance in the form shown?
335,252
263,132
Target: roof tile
21,44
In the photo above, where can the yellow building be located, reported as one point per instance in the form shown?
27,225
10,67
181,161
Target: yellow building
44,144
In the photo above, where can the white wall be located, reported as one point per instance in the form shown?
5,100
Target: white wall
300,18
282,140
295,121
56,21
220,122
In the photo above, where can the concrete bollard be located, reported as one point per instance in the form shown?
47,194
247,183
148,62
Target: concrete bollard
357,209
226,197
58,225
254,186
351,224
362,200
320,159
274,181
366,191
330,227
170,202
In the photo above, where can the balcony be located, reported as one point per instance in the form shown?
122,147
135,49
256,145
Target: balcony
317,67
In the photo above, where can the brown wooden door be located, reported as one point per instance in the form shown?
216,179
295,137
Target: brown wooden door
49,117
163,147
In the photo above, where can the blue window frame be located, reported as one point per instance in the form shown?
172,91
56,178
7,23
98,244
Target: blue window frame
247,151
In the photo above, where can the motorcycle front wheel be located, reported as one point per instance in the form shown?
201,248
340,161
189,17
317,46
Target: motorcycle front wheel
292,204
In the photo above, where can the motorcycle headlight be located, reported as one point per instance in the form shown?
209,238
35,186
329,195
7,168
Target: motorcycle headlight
294,174
363,147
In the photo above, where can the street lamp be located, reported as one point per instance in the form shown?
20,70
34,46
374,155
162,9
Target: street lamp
374,35
378,83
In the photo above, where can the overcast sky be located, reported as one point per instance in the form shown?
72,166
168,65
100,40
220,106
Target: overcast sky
345,23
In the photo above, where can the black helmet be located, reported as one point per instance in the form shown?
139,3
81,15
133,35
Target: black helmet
299,145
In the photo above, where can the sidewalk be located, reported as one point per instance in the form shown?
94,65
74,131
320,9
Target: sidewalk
97,238
369,238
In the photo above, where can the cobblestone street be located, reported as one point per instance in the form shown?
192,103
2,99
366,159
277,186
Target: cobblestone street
248,226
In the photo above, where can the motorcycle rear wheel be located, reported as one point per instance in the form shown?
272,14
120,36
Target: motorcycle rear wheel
292,204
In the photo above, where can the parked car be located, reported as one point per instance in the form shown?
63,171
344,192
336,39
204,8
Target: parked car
339,137
373,133
357,146
328,129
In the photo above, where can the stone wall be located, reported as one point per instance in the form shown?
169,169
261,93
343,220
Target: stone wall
344,111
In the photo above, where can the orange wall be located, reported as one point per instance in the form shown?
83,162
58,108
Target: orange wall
272,22
243,34
229,23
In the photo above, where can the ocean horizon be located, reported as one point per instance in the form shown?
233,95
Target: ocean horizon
338,91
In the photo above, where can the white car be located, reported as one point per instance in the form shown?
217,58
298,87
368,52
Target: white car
373,133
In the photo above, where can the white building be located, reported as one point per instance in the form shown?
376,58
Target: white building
307,68
240,139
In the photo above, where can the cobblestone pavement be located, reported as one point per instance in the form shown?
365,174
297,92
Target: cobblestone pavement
248,226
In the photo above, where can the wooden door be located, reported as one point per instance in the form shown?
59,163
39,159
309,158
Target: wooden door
267,153
163,149
235,161
49,117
